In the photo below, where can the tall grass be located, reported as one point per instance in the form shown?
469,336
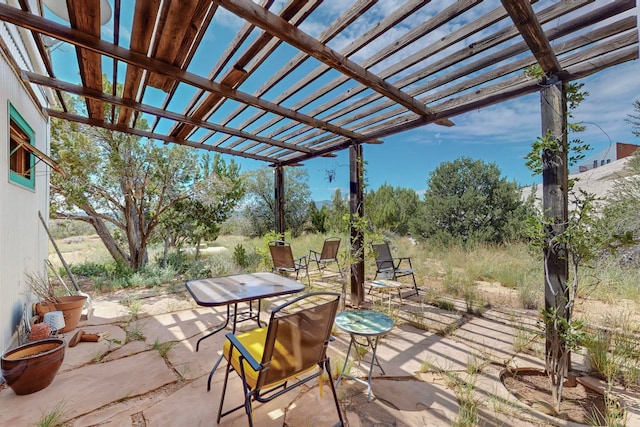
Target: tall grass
452,269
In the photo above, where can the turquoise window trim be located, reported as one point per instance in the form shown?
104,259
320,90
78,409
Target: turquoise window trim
30,182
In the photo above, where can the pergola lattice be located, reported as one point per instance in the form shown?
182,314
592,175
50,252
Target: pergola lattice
394,74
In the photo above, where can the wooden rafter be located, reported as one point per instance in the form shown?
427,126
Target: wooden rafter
87,41
525,19
275,25
84,16
292,85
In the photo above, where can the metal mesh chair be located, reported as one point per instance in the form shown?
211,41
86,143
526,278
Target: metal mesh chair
389,266
283,261
329,253
289,352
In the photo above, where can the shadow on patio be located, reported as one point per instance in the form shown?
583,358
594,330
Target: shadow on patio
158,379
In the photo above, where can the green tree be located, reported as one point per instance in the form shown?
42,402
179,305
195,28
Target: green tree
391,209
467,200
621,218
120,185
634,118
216,194
260,201
336,212
318,217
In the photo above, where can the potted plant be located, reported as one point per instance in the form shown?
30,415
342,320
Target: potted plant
70,305
31,367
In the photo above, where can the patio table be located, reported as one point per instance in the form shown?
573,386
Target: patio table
231,290
368,324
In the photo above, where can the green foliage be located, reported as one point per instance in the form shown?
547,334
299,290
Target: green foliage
339,208
391,209
620,215
125,186
576,148
467,201
240,256
215,195
634,118
318,218
260,203
88,269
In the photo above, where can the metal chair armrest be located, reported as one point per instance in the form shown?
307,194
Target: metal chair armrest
255,365
400,259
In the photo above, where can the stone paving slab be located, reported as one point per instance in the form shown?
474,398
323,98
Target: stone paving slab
192,364
118,414
179,325
136,381
83,390
192,405
87,352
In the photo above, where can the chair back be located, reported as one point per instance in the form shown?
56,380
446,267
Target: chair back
281,255
298,336
330,248
384,260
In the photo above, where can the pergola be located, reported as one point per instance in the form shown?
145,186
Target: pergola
346,74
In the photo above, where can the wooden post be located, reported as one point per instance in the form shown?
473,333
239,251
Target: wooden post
555,198
279,198
356,209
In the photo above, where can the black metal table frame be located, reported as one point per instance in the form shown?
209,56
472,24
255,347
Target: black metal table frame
242,316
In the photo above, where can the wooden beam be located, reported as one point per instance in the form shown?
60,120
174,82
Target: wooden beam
182,26
356,210
356,10
382,27
77,38
84,16
258,51
146,134
527,23
280,28
108,98
145,11
509,89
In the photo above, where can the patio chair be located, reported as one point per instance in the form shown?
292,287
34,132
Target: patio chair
329,253
283,261
390,267
289,352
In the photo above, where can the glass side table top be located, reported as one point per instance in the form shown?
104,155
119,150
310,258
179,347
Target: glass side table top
364,322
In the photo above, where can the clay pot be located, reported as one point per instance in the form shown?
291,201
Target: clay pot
39,331
71,306
31,367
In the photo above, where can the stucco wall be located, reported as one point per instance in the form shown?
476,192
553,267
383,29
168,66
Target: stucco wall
23,240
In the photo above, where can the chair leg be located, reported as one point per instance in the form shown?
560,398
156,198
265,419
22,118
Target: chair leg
248,408
224,390
327,366
415,285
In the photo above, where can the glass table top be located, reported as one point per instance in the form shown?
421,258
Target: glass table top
364,322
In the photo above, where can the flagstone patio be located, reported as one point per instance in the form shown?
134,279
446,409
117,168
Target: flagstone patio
158,379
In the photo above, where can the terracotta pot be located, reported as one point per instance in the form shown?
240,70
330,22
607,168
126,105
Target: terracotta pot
71,306
31,367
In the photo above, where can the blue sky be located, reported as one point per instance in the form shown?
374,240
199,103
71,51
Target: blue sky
500,134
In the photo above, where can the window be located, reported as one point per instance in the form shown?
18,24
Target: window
21,159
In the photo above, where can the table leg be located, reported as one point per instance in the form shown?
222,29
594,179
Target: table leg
213,370
373,344
216,330
344,366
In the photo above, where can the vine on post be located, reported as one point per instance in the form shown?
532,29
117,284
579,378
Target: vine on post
569,241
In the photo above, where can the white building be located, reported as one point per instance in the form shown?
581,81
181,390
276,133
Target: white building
24,175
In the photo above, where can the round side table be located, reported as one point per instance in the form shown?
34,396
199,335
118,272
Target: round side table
370,325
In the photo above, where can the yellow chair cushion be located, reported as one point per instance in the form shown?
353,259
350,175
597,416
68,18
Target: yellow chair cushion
253,341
